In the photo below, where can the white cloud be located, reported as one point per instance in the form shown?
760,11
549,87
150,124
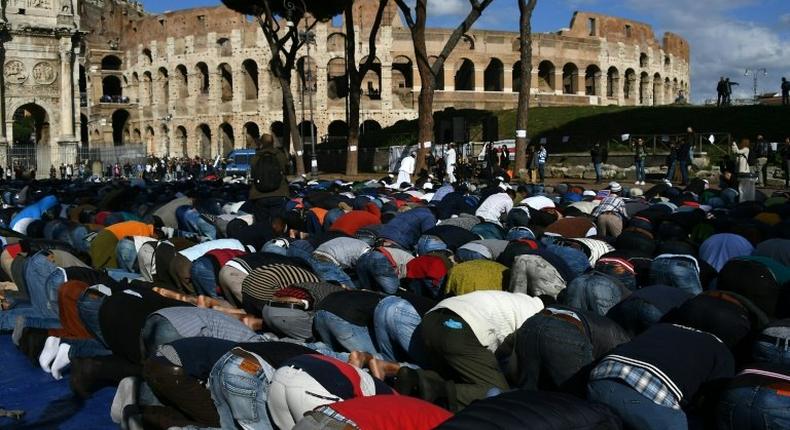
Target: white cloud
722,45
439,8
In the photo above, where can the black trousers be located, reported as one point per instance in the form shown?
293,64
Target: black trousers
175,388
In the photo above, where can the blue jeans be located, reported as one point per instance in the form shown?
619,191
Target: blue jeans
126,254
328,272
77,237
395,321
376,273
778,352
684,171
635,315
640,170
196,224
753,408
204,279
120,274
241,396
594,292
157,331
88,306
542,172
676,272
428,243
671,170
636,410
597,167
43,279
550,351
341,334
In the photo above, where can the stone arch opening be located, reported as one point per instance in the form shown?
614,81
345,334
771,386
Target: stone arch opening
369,126
147,89
570,79
163,79
277,129
667,90
182,81
402,73
307,69
516,76
134,88
612,82
137,136
226,82
439,84
227,140
629,84
307,131
111,62
83,80
371,82
468,42
494,76
465,76
181,140
224,47
546,76
111,89
336,42
250,68
644,60
119,120
592,80
337,131
150,143
251,135
148,58
31,138
203,135
84,133
202,72
337,82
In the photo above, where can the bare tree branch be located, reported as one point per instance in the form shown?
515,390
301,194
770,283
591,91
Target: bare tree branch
365,68
406,10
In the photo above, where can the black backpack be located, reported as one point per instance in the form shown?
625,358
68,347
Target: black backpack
267,174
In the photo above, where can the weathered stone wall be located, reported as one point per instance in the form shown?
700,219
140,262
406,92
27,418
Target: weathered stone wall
168,59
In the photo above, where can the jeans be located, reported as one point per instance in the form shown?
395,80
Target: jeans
341,334
684,171
550,352
88,306
157,331
786,168
676,272
127,255
376,273
119,275
754,408
204,279
635,315
428,243
240,395
597,167
671,170
640,170
636,410
777,352
328,272
43,279
395,323
594,292
542,172
761,169
197,224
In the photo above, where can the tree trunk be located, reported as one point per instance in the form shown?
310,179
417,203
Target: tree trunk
354,102
522,115
289,108
425,119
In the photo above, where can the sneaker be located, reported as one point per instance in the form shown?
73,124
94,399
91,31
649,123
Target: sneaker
125,395
636,183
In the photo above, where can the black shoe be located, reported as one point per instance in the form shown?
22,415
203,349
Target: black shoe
407,382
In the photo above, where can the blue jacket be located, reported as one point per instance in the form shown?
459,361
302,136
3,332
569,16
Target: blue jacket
35,210
407,227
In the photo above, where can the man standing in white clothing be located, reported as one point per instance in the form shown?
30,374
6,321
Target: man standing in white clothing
405,170
450,163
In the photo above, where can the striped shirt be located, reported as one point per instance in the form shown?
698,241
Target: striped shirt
264,281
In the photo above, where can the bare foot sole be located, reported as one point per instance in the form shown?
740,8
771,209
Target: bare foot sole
383,369
359,359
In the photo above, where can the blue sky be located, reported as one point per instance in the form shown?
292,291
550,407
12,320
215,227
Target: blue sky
726,36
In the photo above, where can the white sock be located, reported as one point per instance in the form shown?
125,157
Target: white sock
61,361
48,353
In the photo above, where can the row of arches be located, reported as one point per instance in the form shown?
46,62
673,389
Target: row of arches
571,80
208,142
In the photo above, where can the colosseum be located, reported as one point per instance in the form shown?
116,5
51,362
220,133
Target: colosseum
195,82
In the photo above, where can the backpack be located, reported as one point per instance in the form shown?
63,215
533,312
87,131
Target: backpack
267,174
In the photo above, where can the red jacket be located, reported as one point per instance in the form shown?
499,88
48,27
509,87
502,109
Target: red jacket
390,412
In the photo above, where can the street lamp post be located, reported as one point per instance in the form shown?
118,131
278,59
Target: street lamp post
755,74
